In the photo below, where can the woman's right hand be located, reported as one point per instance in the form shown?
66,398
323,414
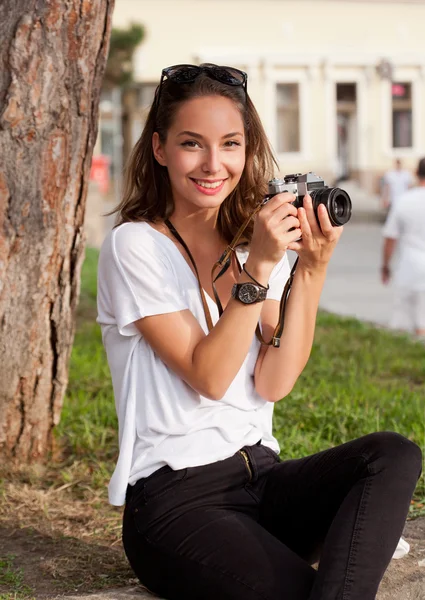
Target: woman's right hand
272,225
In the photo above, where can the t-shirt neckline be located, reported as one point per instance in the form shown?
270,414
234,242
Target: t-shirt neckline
169,241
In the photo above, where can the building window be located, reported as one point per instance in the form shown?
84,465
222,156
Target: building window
346,93
402,115
288,117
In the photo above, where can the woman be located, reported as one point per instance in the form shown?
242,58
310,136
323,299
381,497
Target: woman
210,509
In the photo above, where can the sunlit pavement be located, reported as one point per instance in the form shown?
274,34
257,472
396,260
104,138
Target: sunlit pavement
353,286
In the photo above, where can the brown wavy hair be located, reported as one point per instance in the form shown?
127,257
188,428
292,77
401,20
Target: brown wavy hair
147,194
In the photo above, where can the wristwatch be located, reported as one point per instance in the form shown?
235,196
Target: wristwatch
249,293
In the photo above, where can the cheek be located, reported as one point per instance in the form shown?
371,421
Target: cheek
236,163
182,163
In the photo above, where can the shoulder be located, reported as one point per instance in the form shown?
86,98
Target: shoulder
412,195
136,239
131,244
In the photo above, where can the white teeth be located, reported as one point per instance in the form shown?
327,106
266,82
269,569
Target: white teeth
212,185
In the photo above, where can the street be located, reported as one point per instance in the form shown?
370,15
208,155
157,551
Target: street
353,286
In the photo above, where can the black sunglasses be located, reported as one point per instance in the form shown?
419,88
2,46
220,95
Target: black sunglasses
188,74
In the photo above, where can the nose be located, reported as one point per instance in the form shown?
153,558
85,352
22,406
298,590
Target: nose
212,163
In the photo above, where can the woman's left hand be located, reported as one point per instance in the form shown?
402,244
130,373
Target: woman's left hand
318,239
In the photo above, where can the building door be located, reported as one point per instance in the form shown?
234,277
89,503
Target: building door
346,120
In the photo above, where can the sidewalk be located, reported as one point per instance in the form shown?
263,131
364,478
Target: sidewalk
366,205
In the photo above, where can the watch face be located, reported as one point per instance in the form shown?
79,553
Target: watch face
248,293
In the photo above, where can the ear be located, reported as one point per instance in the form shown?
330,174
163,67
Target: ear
158,150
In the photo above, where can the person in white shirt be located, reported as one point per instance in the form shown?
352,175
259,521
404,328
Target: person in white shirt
395,182
404,231
211,511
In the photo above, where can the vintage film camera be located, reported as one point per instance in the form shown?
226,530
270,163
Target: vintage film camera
336,200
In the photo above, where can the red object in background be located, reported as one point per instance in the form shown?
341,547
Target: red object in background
398,90
99,172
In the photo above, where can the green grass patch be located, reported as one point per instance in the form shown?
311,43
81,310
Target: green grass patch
359,379
12,578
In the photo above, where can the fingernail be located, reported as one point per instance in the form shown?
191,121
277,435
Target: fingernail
307,199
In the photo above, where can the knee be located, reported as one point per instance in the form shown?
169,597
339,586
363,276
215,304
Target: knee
396,451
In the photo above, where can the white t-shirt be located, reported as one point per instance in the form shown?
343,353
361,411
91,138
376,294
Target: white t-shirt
398,182
406,224
162,420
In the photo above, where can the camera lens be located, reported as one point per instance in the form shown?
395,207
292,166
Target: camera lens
337,202
339,206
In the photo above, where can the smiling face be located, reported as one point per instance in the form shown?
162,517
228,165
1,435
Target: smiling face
204,152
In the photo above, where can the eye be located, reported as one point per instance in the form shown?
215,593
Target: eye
232,143
190,144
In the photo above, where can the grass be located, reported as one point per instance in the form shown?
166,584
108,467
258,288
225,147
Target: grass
12,576
359,379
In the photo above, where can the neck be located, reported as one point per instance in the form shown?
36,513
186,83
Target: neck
196,226
421,183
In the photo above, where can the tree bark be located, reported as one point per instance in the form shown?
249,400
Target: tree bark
52,59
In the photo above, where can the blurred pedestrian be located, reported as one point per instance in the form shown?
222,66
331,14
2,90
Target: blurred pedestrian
395,182
405,230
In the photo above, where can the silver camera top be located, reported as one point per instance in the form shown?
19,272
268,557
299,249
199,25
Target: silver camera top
296,183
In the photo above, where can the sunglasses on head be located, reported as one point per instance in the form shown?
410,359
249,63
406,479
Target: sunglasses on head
188,73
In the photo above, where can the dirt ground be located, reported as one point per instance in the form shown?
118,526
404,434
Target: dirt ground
54,542
405,579
55,565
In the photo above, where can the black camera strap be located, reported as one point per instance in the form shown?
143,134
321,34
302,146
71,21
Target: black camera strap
223,264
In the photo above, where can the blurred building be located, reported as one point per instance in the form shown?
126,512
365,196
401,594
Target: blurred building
339,85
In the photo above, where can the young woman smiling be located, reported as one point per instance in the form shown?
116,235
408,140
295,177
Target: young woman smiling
211,511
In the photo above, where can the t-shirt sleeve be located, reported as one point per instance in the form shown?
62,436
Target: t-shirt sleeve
278,279
138,280
392,227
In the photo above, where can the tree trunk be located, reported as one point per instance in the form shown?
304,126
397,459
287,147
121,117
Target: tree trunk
52,59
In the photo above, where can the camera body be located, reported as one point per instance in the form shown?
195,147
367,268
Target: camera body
336,200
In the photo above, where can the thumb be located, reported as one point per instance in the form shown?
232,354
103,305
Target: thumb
296,246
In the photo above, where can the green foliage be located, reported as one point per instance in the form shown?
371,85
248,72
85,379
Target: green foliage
359,379
123,42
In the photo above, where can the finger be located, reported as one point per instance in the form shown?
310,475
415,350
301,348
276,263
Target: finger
289,223
294,237
279,200
283,211
304,223
325,222
280,213
308,207
295,246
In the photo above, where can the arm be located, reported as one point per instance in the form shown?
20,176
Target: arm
388,251
385,197
209,363
278,369
391,232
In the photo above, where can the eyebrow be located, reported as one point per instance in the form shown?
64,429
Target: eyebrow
200,137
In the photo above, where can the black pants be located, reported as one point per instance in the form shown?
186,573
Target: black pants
232,530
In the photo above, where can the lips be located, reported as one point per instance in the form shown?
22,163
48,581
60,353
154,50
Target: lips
209,187
209,184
